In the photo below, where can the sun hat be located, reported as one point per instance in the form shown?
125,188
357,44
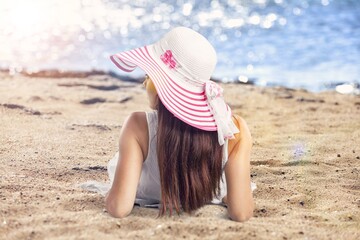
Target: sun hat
180,65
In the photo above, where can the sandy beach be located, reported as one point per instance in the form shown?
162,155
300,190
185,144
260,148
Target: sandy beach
58,132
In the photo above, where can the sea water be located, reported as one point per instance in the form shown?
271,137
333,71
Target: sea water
310,44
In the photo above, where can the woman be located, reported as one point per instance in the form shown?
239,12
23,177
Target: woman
179,154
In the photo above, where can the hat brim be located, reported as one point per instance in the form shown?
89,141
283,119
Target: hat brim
187,102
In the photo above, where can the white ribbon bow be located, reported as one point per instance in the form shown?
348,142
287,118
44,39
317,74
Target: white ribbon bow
225,126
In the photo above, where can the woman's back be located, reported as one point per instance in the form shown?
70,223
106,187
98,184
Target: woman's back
149,187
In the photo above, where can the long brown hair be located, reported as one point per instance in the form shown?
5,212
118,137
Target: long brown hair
190,163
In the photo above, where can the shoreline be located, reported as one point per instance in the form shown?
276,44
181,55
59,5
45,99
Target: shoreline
59,132
350,87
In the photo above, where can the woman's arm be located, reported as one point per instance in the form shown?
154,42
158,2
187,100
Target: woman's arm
239,197
120,199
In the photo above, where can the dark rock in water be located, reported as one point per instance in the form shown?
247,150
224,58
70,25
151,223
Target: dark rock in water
93,101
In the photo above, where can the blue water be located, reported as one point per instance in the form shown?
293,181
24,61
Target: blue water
306,43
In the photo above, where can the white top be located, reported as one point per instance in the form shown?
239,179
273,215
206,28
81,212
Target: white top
149,185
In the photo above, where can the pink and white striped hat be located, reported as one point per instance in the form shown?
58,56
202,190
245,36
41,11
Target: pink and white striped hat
180,65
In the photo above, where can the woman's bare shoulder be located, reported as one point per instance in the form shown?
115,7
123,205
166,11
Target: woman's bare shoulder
242,125
244,134
136,118
136,123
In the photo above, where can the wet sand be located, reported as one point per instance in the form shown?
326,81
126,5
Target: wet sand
58,132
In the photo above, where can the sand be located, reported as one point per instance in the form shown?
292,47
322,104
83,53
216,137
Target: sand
59,132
